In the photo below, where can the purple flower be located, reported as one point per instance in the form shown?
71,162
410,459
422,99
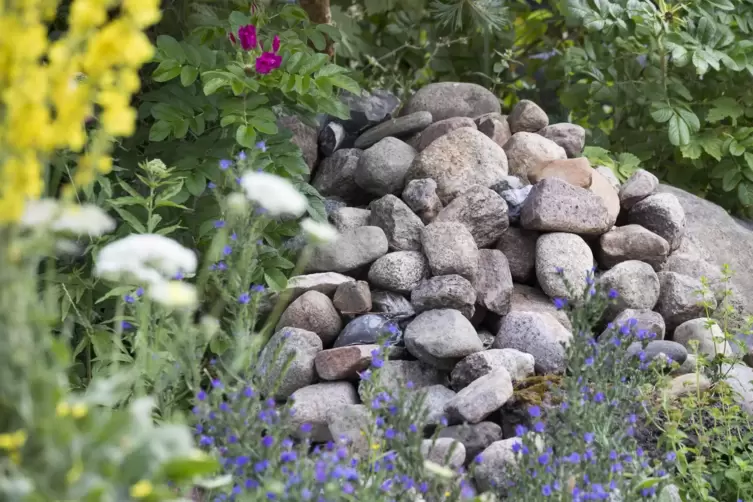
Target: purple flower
126,325
247,36
588,437
216,383
201,395
129,299
376,361
244,298
268,441
520,430
219,224
534,411
241,155
546,490
671,456
560,303
306,428
539,427
599,397
211,185
613,294
261,146
227,250
589,361
258,288
225,164
267,62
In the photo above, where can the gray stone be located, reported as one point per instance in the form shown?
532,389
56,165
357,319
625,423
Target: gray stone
400,271
571,137
537,334
680,299
331,138
555,205
603,188
435,402
441,338
707,333
497,129
526,150
331,204
395,375
348,218
528,299
663,215
677,352
335,176
314,404
632,242
740,378
368,109
323,282
440,128
487,339
421,196
401,225
482,397
391,303
684,385
527,116
577,172
353,249
519,246
689,366
445,100
313,311
697,268
515,199
563,262
642,319
382,167
518,364
610,176
482,211
368,330
343,363
349,422
493,281
353,298
301,347
304,137
636,284
459,159
498,465
444,292
475,437
721,240
444,451
450,249
639,186
397,127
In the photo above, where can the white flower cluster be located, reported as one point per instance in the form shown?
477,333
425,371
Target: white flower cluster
75,219
154,260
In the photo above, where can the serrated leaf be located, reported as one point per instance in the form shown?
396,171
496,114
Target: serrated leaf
345,82
159,131
171,48
679,133
725,107
692,150
276,280
213,85
313,63
294,62
731,179
245,136
188,75
711,145
661,112
690,118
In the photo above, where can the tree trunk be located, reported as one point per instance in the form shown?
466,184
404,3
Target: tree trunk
319,13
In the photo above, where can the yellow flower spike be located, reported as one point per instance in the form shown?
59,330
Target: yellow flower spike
143,12
63,409
19,438
375,446
6,442
141,489
79,410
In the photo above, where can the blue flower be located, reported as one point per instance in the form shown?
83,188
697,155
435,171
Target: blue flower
539,427
671,456
126,325
211,185
201,395
534,411
560,303
376,361
225,164
257,288
288,456
219,224
227,250
613,294
589,361
588,437
389,433
306,428
543,459
244,298
546,490
261,146
520,430
129,299
599,397
267,441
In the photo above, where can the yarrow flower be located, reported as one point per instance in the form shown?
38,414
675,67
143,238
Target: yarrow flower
319,232
84,219
273,193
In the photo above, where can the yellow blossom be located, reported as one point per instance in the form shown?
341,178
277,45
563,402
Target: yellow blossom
142,489
79,410
63,409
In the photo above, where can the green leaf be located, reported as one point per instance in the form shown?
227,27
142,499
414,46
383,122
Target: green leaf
661,112
193,55
345,82
188,75
180,128
317,38
213,85
725,107
117,291
679,133
189,468
736,149
692,150
731,179
712,145
198,124
700,63
131,220
196,183
329,70
743,194
749,160
167,70
229,119
690,118
276,280
245,136
159,131
294,62
171,48
263,126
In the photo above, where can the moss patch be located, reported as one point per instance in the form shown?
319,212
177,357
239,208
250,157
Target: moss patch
535,389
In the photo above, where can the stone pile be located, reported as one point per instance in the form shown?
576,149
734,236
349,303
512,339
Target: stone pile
458,224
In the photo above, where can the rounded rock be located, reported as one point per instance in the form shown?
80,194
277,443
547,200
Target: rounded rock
561,258
313,311
400,271
441,338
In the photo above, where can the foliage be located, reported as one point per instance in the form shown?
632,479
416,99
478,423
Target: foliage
667,82
89,76
56,444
